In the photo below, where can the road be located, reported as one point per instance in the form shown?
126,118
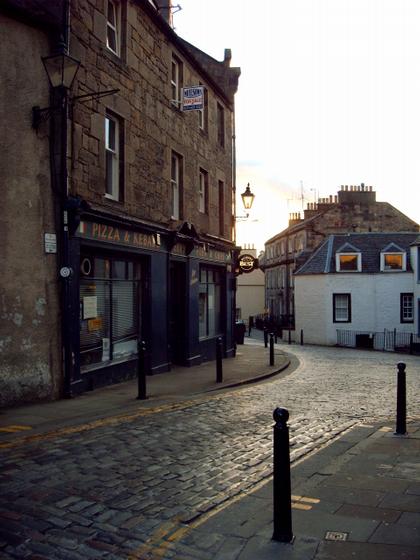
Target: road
121,490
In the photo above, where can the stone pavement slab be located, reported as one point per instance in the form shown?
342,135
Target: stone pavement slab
369,507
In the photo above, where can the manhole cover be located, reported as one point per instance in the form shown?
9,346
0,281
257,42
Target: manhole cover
335,536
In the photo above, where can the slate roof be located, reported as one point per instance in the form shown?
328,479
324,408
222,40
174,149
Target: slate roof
370,245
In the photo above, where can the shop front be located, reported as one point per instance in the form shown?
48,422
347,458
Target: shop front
132,285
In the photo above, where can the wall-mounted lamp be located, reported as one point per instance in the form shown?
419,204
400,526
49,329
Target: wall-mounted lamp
247,200
61,70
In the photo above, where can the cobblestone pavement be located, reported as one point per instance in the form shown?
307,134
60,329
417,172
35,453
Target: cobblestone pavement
129,489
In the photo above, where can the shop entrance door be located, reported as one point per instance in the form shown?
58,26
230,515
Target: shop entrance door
177,304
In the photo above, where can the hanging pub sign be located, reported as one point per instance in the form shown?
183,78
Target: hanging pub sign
247,263
193,98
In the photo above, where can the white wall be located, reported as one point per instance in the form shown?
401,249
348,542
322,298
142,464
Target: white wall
375,303
416,286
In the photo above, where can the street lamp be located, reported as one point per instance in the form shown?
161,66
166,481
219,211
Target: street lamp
247,200
61,70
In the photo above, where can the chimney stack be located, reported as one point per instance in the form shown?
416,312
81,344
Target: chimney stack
165,10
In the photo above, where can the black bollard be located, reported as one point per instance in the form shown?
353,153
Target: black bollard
301,337
411,343
401,400
141,370
282,499
265,337
219,364
290,337
271,349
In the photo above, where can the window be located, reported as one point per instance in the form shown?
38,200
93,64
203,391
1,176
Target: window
407,308
393,261
110,305
221,208
341,308
210,302
113,159
176,81
203,113
113,27
176,184
220,125
203,191
348,262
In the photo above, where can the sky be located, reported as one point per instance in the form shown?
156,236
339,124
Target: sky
329,95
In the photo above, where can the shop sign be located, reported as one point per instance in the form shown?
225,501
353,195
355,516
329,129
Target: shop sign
247,263
212,254
193,98
112,234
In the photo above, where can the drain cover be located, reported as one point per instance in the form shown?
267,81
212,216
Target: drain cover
335,536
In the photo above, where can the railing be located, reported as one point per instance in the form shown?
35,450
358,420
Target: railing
386,340
274,323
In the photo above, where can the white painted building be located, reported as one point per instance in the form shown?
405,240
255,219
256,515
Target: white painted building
360,289
250,296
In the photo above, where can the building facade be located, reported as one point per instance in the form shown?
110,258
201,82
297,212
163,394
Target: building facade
135,191
360,289
353,209
249,289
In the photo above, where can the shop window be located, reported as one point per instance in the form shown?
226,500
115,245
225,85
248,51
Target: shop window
113,27
203,191
176,185
113,157
220,125
210,302
341,308
176,81
407,308
110,310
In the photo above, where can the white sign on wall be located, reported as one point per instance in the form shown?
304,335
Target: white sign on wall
50,242
193,98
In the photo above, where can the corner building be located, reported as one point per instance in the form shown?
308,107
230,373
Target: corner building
146,202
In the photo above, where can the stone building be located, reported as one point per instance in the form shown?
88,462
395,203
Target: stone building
353,209
117,217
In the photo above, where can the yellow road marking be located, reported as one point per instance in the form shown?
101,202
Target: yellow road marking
13,429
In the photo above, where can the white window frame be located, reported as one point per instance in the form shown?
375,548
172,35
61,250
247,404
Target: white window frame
337,309
112,154
113,28
406,304
176,81
176,168
221,126
348,254
203,190
203,113
403,268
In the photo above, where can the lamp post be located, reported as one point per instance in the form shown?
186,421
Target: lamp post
61,70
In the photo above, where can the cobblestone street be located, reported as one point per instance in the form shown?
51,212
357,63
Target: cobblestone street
120,490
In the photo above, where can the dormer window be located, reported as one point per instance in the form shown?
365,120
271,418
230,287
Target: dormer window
348,259
393,259
348,262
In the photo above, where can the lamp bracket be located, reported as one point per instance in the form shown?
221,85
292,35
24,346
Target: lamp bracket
95,95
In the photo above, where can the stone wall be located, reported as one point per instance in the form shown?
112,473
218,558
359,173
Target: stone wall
153,126
30,368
